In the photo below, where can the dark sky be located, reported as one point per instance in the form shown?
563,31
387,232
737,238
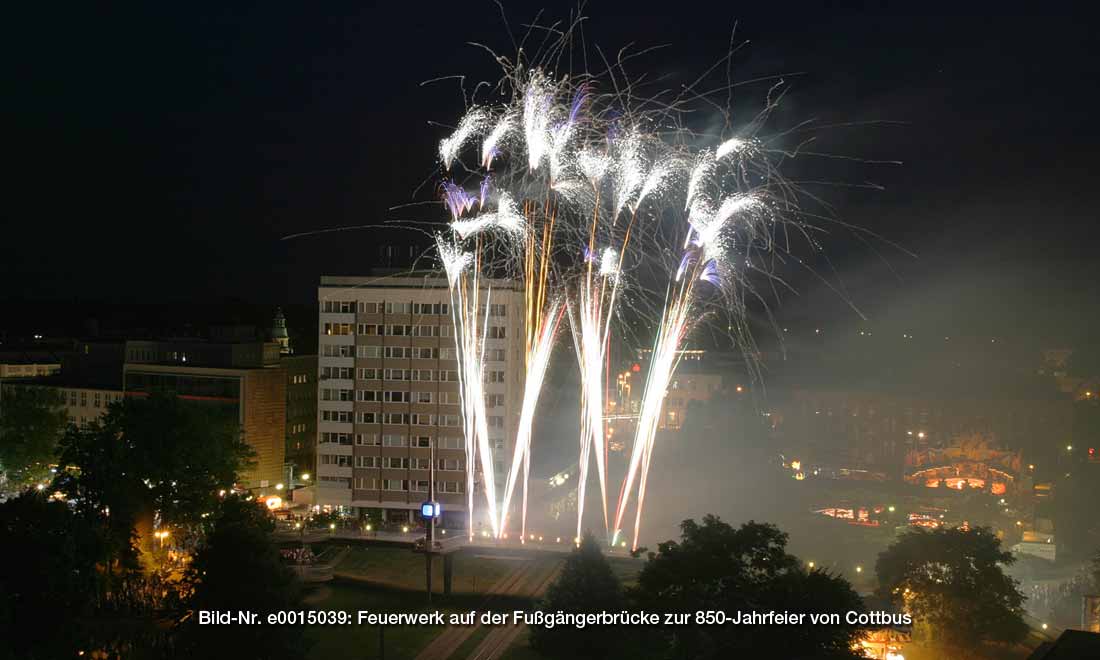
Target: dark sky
161,150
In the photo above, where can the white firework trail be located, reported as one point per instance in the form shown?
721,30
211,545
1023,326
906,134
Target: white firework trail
470,125
490,147
568,155
537,364
538,104
704,165
507,219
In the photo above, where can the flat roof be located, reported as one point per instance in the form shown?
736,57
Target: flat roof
408,280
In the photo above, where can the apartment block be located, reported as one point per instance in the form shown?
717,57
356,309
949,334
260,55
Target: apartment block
388,393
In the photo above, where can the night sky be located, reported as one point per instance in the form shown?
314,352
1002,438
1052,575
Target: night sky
161,151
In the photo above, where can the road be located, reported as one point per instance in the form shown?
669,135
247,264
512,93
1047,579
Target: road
500,638
529,579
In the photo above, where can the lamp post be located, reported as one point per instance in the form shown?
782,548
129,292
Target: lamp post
429,511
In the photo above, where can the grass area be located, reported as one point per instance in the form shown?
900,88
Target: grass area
467,647
362,641
400,641
627,569
521,648
401,567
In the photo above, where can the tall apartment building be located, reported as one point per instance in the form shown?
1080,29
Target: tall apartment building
388,392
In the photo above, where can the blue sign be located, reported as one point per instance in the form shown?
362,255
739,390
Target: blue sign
430,509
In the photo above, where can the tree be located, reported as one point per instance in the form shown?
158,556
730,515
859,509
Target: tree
48,580
238,567
715,567
952,582
153,456
32,419
586,584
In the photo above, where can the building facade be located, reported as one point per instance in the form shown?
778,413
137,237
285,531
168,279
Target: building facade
301,417
245,380
388,393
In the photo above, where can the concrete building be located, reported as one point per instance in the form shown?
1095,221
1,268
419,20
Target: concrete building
245,380
388,392
13,369
301,417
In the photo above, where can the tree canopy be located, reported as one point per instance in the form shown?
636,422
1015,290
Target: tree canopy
48,579
716,567
952,582
586,584
32,420
238,567
156,455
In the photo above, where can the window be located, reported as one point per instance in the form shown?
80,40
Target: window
390,440
496,332
368,417
449,464
422,419
422,397
83,399
496,354
337,350
366,439
368,308
365,483
431,331
97,400
367,351
396,396
423,375
398,330
339,460
497,310
422,441
450,420
366,461
398,308
449,442
397,352
495,376
397,374
496,422
395,463
369,374
395,418
338,307
448,376
371,329
338,329
369,395
494,400
336,372
450,398
420,485
430,308
447,353
331,394
336,416
335,438
425,353
344,482
448,486
395,484
72,398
